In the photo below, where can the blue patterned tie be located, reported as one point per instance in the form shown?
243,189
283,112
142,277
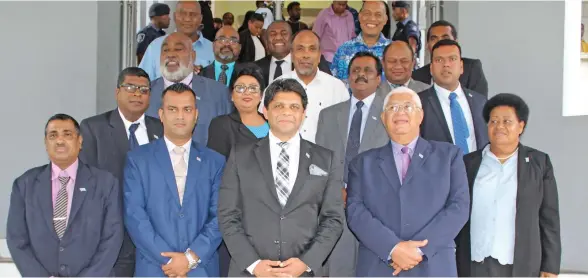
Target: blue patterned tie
133,143
460,127
354,137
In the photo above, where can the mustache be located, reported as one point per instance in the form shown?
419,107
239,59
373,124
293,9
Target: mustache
361,78
226,47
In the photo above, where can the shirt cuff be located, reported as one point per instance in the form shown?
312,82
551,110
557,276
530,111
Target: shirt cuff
308,269
390,256
252,267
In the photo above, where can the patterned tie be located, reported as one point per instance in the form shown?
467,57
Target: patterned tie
405,161
222,78
180,171
354,137
278,71
60,209
133,143
282,177
460,127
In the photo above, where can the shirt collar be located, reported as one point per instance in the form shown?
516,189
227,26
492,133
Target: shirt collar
381,41
218,64
405,21
187,81
71,171
486,153
397,148
394,85
294,141
127,123
287,59
171,146
154,27
444,93
316,79
367,102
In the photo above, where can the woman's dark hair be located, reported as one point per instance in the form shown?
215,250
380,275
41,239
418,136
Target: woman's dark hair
256,17
517,103
285,85
251,70
248,15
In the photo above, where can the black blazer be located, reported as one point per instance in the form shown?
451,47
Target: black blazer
537,236
247,47
264,64
434,125
227,130
209,71
473,77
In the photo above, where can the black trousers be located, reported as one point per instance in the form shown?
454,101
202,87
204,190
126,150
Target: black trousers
490,267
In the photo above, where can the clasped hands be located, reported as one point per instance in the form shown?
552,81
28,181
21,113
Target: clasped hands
292,267
406,255
178,266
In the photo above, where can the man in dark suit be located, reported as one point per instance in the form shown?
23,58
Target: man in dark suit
407,200
279,45
226,52
65,217
171,192
280,203
473,75
452,113
349,128
108,137
177,57
252,45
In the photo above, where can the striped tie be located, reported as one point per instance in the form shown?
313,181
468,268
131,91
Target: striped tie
60,209
283,177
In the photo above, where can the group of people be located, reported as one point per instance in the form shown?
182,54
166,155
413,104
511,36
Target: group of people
285,167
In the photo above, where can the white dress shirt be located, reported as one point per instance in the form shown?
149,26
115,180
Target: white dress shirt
286,67
323,91
140,133
365,110
293,152
443,95
259,49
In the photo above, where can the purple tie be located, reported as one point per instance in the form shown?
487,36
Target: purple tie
405,161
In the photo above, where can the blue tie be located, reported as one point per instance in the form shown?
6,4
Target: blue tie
460,127
354,137
133,143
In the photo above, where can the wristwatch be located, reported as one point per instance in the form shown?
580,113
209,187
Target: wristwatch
192,263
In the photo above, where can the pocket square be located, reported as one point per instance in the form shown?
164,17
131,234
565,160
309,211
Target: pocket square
316,171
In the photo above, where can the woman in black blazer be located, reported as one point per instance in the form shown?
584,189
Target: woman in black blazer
514,222
245,124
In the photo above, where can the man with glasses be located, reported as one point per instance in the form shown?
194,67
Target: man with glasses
408,199
226,52
108,137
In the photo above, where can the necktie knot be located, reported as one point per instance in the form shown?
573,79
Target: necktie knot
452,96
179,150
63,179
279,62
359,104
394,86
224,67
405,150
133,128
283,145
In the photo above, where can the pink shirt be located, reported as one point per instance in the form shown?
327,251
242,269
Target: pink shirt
71,172
333,30
187,81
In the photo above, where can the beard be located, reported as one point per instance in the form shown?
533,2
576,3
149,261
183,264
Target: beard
178,75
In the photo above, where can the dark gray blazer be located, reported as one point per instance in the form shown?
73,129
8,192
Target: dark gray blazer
254,225
537,236
94,233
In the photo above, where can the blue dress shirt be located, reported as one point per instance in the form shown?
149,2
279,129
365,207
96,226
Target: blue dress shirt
217,71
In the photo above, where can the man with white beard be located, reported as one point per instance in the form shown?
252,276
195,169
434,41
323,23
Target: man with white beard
177,66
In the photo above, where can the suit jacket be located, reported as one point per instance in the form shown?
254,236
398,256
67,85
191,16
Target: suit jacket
414,85
432,203
94,232
247,47
228,130
154,217
537,236
472,78
212,100
255,226
210,73
264,64
434,125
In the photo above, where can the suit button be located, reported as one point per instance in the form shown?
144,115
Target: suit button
61,249
276,242
181,215
62,267
282,217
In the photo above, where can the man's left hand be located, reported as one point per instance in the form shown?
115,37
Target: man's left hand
178,267
547,274
292,267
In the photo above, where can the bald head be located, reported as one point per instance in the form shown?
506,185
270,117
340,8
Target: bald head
177,57
226,45
188,17
306,53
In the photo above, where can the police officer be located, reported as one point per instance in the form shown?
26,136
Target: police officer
159,14
406,29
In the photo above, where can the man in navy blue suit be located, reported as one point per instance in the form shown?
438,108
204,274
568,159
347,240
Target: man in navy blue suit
65,217
171,192
407,200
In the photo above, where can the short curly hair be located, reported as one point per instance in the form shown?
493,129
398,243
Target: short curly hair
511,100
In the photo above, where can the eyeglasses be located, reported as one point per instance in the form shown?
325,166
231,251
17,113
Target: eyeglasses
130,88
225,40
252,89
407,107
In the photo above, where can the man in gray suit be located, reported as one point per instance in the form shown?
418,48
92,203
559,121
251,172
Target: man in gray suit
109,136
177,66
398,65
349,128
280,207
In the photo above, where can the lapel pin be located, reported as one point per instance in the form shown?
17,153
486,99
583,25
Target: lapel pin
374,118
527,159
155,136
197,98
198,158
83,189
307,155
420,155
